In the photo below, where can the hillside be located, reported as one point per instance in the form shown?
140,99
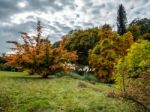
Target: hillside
22,93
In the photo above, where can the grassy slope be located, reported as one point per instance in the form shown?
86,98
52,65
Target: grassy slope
21,93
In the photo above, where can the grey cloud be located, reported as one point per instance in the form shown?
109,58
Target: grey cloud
95,11
12,33
7,8
63,27
98,12
86,25
51,5
53,28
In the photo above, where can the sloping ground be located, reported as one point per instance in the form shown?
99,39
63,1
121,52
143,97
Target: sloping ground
21,93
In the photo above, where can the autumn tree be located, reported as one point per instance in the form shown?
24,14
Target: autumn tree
28,54
103,56
38,56
121,20
61,57
107,52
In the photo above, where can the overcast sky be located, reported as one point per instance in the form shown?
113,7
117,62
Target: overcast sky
60,16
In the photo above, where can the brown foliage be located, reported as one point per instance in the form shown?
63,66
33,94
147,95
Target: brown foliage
106,53
139,88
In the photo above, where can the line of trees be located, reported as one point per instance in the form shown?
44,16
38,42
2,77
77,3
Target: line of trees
99,48
122,57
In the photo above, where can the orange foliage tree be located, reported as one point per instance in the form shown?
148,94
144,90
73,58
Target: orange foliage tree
106,53
38,56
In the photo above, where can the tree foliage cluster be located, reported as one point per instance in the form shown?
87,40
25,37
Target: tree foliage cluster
6,67
38,56
81,41
140,28
121,20
137,72
106,53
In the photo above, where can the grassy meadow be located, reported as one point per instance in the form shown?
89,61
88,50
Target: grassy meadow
22,93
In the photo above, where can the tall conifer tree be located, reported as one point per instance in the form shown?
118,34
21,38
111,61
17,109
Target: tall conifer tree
121,20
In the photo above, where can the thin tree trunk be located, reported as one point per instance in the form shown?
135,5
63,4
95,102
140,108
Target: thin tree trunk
123,77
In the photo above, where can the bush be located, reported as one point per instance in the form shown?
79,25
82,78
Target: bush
75,75
88,77
2,60
6,67
70,74
91,77
59,74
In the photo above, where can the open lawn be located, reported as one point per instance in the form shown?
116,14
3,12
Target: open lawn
22,93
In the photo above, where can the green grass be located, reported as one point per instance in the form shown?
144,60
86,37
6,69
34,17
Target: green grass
22,93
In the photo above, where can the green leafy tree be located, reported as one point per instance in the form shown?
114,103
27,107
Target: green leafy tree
137,59
81,41
140,28
136,67
135,30
143,23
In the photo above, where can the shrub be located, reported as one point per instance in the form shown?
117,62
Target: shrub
6,67
91,77
59,74
75,75
2,60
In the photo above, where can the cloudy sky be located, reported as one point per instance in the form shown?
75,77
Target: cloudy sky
60,16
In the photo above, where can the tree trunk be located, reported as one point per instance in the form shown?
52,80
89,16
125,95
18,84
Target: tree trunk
45,74
31,72
123,77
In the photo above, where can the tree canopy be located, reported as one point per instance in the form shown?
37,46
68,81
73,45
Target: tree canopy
81,41
38,56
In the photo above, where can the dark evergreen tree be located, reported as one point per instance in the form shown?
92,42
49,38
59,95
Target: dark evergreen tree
121,20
